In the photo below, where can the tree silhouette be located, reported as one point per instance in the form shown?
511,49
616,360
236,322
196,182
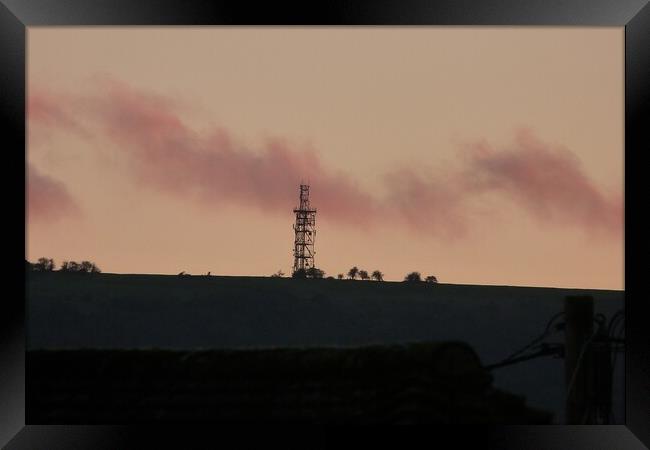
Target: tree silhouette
413,276
44,265
300,273
352,273
340,276
377,275
278,274
431,279
363,275
83,267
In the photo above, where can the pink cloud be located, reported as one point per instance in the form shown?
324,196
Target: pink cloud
547,181
52,111
433,204
48,199
214,168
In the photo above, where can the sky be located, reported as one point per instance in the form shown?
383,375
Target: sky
480,155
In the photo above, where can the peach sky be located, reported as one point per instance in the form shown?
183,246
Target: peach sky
483,155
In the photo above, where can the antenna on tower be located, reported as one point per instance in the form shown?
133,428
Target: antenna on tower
305,232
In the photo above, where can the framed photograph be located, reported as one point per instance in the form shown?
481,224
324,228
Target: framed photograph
348,213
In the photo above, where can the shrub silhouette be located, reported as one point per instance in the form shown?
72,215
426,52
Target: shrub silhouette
377,275
313,272
363,275
413,277
431,279
340,276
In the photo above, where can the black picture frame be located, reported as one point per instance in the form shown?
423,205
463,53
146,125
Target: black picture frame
16,15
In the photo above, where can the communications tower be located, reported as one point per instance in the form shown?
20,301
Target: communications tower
305,231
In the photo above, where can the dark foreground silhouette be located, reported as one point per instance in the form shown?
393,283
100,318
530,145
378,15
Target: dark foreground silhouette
415,383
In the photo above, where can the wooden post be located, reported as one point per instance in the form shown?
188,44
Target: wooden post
579,315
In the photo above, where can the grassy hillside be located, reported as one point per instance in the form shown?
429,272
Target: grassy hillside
156,311
125,311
